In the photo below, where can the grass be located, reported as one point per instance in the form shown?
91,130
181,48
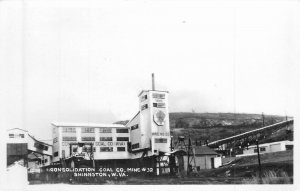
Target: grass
270,177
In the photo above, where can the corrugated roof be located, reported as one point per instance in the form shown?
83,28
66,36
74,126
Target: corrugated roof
204,150
78,124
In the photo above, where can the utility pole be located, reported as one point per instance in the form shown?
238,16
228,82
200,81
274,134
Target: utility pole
263,119
92,155
259,164
188,157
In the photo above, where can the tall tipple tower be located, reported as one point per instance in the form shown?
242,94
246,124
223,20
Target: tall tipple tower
150,129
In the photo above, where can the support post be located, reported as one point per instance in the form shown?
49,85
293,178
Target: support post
259,164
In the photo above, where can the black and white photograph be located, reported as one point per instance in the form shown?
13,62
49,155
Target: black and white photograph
177,93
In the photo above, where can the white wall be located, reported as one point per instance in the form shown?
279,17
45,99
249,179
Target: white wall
135,135
31,147
18,139
65,145
163,130
269,147
218,162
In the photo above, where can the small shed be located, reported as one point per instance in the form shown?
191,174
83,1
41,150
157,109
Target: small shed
203,158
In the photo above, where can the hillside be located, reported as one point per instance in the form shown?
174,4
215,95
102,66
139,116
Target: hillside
214,126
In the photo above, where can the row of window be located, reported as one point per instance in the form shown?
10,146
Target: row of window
92,130
158,96
69,130
15,135
102,149
44,161
93,139
110,149
41,146
134,127
158,105
87,130
135,146
161,140
154,95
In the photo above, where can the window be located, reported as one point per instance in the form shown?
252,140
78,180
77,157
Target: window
40,146
135,146
46,160
289,147
122,130
105,130
55,154
144,97
134,127
88,138
159,105
88,130
161,140
158,96
55,140
105,138
106,149
122,138
69,130
88,149
120,148
260,149
263,149
145,106
69,139
74,150
16,135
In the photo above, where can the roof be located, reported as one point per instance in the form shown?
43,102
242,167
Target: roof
178,152
18,129
204,150
79,124
272,143
38,140
136,115
152,91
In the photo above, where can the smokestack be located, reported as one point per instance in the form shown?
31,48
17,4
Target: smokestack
153,82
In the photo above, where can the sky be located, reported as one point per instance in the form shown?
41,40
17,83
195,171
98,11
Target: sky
87,61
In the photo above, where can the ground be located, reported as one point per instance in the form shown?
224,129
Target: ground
276,168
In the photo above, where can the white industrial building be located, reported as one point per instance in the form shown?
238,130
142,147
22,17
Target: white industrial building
267,148
27,150
146,135
108,141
